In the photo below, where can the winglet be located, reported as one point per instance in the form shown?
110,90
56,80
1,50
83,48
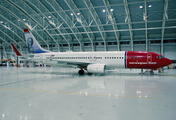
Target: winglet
16,51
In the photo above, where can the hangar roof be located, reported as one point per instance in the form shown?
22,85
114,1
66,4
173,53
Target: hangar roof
86,21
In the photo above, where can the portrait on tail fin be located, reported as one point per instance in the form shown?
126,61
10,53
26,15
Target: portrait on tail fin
29,45
32,44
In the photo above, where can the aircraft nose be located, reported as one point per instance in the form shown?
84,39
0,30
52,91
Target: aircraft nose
168,61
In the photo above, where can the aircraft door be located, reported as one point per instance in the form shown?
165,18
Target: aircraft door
149,58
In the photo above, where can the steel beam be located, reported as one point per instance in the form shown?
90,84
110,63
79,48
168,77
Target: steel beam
112,5
29,16
97,21
20,21
63,15
154,28
82,21
11,39
13,25
146,33
163,25
129,21
6,42
119,24
57,21
113,21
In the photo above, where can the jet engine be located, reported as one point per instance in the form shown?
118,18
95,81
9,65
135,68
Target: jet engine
96,68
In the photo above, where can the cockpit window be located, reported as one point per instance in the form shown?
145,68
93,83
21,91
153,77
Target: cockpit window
160,57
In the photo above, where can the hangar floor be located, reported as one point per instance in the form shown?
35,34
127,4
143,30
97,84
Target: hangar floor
49,93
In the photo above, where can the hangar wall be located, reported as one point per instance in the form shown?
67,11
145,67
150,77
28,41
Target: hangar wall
170,51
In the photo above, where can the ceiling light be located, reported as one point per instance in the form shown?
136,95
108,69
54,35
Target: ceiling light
49,16
79,20
78,13
71,14
1,21
104,10
140,6
24,19
150,6
112,10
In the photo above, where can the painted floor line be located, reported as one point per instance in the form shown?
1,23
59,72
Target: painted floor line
71,93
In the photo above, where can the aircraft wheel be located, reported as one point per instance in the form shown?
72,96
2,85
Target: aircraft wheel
81,72
151,73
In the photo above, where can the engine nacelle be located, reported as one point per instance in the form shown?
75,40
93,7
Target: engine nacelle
96,68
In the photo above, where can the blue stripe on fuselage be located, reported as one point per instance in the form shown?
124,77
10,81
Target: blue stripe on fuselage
125,59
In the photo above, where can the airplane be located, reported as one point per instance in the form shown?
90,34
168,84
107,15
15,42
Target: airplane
95,62
17,52
9,60
22,59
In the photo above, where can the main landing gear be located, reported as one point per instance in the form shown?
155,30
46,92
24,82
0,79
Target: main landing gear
151,72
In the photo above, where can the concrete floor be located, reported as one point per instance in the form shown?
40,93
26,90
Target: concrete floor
49,93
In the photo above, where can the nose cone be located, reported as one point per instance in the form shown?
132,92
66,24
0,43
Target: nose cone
168,62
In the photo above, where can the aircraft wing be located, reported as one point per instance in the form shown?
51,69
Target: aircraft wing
74,64
64,63
78,64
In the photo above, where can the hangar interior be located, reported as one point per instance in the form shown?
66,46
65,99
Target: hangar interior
88,25
49,93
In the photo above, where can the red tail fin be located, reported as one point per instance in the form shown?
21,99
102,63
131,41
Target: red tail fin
16,51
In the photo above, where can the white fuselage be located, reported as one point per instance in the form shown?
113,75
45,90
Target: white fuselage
110,59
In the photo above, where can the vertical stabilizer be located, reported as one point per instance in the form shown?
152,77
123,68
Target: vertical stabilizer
32,44
16,51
